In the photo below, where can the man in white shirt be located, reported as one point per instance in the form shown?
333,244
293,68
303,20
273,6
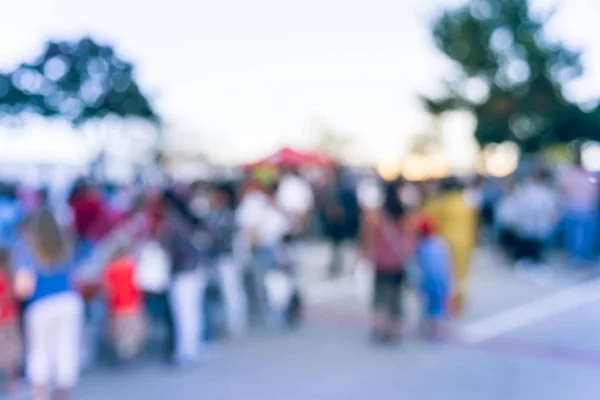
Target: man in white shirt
263,225
536,218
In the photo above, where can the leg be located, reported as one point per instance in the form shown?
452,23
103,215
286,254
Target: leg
166,318
589,236
68,329
521,249
337,258
379,298
537,251
436,300
262,263
462,260
234,295
395,310
185,301
38,338
575,236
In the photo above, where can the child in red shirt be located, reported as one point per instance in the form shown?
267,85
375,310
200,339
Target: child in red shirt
11,345
125,305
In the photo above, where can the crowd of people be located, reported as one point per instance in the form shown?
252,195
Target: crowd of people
122,264
533,214
425,234
127,264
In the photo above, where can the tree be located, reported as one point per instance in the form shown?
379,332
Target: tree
79,81
510,76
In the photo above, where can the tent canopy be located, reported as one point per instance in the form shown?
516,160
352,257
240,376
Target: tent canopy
287,157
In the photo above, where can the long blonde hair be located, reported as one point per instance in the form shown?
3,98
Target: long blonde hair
49,242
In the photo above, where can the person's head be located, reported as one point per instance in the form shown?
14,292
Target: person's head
426,227
122,247
289,170
9,191
578,157
44,196
220,197
50,245
392,205
271,189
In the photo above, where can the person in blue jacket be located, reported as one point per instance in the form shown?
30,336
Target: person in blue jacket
434,260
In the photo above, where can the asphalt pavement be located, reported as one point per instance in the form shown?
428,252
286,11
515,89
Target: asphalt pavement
525,335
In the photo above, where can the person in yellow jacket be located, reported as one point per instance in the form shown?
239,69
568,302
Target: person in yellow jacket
456,218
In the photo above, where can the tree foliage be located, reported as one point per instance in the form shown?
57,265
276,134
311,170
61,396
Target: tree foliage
79,81
510,75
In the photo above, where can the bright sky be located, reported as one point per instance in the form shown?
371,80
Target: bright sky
256,74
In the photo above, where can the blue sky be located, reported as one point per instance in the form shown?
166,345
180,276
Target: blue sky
259,73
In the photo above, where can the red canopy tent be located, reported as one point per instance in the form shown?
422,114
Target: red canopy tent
287,157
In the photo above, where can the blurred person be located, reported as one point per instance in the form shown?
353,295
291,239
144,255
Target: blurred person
491,195
200,199
153,275
220,223
265,225
11,345
53,316
506,220
12,213
434,259
536,218
281,286
580,195
87,205
456,219
176,236
388,241
121,199
27,198
273,227
341,217
87,209
288,263
124,298
296,198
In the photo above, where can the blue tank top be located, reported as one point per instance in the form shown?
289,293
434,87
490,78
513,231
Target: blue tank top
50,280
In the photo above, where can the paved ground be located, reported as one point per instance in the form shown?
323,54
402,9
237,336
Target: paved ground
523,337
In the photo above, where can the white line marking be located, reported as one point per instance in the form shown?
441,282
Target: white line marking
531,313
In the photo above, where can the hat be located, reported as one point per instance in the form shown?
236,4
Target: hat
426,226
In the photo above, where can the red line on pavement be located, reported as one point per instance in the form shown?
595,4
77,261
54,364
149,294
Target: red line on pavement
560,354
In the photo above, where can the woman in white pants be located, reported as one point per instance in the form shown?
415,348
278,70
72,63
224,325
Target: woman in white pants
53,309
185,299
221,226
185,294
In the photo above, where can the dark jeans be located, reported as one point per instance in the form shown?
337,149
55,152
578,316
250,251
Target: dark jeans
508,242
529,249
580,234
387,296
159,312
